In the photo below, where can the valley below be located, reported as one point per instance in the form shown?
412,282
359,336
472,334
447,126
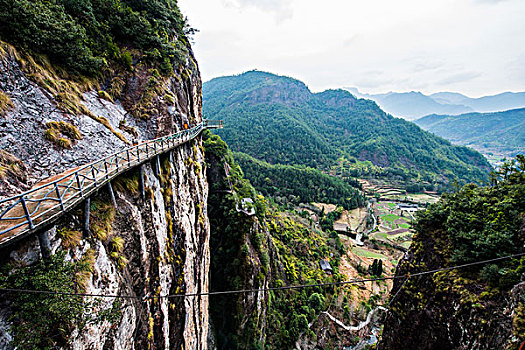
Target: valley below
142,208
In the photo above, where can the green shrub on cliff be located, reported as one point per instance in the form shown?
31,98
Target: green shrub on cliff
483,222
270,249
88,36
45,321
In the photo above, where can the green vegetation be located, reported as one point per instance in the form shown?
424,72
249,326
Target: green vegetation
499,131
45,321
278,120
269,249
482,222
472,224
62,133
389,218
89,36
327,221
299,184
70,238
101,219
367,254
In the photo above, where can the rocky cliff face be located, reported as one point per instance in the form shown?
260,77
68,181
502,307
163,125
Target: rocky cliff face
480,306
238,243
450,312
144,247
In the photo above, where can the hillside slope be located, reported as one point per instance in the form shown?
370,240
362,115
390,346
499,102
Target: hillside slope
478,307
278,120
502,132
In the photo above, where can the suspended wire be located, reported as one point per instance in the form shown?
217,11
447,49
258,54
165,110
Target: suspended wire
399,290
240,291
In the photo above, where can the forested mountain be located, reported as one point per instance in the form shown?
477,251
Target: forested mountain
299,184
277,119
478,307
413,105
501,131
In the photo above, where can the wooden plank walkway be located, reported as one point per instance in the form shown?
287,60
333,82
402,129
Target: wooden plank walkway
33,210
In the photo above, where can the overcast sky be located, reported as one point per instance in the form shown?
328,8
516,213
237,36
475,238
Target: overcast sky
476,47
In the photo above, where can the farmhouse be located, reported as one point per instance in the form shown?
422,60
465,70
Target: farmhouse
407,207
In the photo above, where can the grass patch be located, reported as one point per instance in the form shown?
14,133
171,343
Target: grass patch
367,254
5,103
70,238
101,219
129,129
401,235
406,244
390,218
117,246
104,95
62,133
127,183
11,166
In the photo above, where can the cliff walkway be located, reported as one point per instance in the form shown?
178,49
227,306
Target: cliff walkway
35,210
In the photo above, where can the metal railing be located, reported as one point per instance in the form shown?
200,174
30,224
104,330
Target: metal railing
23,214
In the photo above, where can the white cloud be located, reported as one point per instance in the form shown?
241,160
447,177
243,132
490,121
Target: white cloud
460,45
281,9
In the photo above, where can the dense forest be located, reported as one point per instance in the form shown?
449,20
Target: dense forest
470,225
270,249
500,131
296,184
278,120
87,37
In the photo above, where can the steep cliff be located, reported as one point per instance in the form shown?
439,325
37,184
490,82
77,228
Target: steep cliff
478,307
144,247
264,250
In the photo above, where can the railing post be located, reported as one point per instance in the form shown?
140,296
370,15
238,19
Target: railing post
45,244
147,151
106,169
112,194
129,159
141,182
157,165
79,185
138,154
26,211
94,176
117,161
87,211
59,197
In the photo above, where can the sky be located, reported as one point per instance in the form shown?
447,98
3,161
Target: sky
476,47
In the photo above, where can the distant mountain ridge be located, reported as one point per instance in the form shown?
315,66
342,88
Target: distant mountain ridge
279,120
500,132
413,105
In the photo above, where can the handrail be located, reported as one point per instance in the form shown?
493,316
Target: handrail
43,204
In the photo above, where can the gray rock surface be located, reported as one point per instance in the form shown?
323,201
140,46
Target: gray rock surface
166,235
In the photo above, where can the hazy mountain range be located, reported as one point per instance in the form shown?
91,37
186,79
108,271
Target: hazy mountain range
499,134
413,105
